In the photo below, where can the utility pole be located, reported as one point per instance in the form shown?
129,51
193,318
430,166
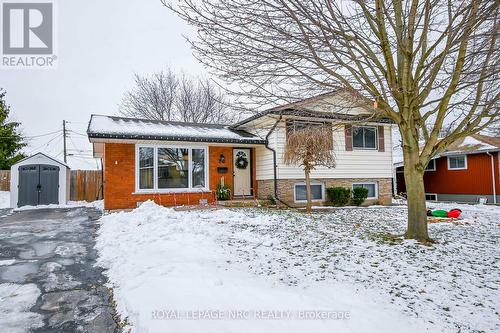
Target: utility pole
64,139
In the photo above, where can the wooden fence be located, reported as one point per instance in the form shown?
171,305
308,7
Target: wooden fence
4,180
85,184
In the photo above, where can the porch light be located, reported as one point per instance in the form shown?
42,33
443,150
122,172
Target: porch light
222,159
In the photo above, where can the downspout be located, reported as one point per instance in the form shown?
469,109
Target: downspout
493,177
275,171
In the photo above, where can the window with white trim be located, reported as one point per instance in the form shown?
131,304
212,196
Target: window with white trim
431,166
431,196
146,167
317,192
372,189
458,162
364,137
169,168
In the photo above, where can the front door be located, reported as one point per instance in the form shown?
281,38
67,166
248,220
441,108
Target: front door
242,172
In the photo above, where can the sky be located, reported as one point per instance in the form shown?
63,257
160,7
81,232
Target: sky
100,45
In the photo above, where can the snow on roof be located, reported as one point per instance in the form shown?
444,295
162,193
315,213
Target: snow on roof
43,154
471,144
131,128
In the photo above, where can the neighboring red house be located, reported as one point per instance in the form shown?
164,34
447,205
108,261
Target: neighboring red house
466,172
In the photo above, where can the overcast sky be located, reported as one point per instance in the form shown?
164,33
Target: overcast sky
101,44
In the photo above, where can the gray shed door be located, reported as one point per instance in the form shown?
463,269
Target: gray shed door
38,185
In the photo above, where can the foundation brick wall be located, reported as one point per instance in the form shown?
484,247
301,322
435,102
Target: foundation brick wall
286,188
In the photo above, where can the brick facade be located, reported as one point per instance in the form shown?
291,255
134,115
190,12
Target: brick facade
119,178
286,188
119,182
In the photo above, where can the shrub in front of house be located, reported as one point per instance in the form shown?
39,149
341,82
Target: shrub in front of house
223,192
359,195
339,196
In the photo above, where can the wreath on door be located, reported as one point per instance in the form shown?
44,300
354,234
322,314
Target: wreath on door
241,160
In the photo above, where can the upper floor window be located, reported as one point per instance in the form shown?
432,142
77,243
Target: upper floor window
431,166
364,137
171,168
297,125
458,162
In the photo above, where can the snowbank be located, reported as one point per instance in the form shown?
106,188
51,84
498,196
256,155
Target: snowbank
4,199
168,268
99,204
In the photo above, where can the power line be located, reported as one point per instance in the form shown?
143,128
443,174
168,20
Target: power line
46,144
31,137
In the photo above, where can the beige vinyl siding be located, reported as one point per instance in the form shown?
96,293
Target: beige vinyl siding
263,156
350,164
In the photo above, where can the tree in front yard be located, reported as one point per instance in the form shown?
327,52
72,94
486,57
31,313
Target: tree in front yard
310,147
11,141
432,66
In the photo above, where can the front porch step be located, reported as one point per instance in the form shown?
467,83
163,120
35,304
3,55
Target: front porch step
247,202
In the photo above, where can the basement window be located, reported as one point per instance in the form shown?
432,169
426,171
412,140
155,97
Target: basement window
317,192
372,189
431,196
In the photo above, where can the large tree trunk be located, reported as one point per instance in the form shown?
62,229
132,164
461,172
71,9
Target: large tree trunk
417,214
308,190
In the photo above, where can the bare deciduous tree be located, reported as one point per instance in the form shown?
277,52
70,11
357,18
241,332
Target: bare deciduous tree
309,148
429,64
167,96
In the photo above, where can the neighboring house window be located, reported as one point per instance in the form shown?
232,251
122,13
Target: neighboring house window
146,167
458,162
372,189
364,137
431,196
431,166
317,192
171,168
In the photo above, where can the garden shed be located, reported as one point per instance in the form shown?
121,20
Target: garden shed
39,180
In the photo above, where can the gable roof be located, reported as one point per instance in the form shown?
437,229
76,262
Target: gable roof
45,155
111,127
298,109
472,144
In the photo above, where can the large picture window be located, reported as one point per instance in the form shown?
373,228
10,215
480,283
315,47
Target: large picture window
364,137
171,168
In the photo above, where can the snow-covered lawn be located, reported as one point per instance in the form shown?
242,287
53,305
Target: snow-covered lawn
169,268
4,199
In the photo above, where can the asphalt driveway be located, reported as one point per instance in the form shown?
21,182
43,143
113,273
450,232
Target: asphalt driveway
48,282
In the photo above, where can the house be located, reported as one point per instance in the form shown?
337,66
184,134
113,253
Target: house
465,172
177,163
39,179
